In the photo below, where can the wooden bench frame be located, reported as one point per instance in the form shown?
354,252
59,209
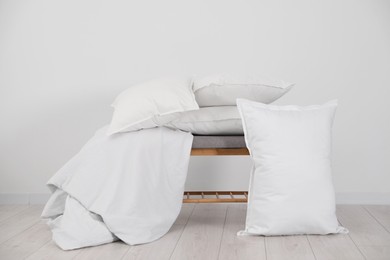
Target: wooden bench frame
216,196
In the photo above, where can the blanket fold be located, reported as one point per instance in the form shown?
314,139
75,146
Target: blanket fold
127,186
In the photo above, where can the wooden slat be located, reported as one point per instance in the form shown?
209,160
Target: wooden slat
214,192
239,247
211,200
219,151
217,199
202,235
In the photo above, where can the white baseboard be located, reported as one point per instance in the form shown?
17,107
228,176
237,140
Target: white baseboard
24,198
366,198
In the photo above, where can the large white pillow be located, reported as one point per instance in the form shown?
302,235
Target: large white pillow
152,104
223,90
210,121
291,190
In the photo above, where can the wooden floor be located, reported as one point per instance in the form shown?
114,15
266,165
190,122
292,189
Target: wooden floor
206,231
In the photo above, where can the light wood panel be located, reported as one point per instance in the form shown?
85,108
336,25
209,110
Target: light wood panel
239,247
19,222
7,211
185,213
111,251
163,248
372,239
208,231
51,251
288,247
202,235
381,213
334,247
26,243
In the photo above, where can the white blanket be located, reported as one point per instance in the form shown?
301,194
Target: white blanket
127,186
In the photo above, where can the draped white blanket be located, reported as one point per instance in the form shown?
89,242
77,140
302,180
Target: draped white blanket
127,186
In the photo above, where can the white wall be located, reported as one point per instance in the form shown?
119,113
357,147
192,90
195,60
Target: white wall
63,62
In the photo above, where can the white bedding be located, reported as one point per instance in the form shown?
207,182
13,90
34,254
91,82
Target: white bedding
127,186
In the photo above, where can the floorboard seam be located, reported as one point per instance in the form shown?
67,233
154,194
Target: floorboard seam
223,230
80,251
353,241
360,251
127,251
27,228
47,242
373,216
311,248
265,248
182,231
38,249
16,213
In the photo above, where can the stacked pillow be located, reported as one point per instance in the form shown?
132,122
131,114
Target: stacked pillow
221,120
223,90
216,95
151,104
204,106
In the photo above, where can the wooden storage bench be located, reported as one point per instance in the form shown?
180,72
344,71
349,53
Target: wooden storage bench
215,146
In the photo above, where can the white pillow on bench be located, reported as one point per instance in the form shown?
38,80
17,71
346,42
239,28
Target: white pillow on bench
223,90
152,103
209,121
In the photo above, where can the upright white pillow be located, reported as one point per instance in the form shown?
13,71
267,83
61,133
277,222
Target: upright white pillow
291,190
223,90
143,105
